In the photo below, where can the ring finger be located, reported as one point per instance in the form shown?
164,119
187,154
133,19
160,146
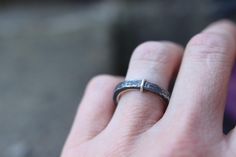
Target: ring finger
156,62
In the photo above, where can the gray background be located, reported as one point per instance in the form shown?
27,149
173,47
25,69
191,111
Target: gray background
47,55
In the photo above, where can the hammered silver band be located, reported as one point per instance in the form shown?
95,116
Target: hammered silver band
141,85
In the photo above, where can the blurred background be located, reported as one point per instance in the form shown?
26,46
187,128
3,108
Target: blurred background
49,49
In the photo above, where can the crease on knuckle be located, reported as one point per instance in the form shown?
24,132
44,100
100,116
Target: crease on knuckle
211,47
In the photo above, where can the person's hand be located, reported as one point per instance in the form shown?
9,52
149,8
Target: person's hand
141,125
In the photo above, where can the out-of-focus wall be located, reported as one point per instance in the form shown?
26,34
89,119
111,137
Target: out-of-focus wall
28,2
47,56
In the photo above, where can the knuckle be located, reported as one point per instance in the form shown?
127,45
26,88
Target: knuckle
98,81
157,51
100,78
215,44
184,148
103,84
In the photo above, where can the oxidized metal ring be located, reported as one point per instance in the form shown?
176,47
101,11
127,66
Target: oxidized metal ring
141,85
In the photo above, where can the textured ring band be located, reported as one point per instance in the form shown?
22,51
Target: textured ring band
142,85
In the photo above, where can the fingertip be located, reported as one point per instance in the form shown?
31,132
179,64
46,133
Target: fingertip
222,26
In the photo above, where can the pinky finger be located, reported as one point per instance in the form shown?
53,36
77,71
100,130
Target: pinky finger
95,111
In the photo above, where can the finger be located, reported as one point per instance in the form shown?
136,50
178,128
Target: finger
95,111
199,96
156,62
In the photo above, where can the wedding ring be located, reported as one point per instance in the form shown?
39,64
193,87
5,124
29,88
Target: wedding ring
141,85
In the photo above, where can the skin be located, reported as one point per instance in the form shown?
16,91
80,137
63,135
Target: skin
142,125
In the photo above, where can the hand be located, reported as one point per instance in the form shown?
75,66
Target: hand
141,125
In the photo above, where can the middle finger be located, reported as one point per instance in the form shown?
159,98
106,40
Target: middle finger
200,91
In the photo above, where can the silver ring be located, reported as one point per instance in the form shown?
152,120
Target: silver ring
142,85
